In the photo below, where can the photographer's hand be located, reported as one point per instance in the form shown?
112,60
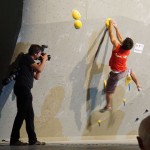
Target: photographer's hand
38,68
44,57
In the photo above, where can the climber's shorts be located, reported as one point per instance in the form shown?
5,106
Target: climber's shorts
114,78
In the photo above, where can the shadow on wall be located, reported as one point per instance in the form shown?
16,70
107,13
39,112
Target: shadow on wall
93,95
7,89
92,69
78,99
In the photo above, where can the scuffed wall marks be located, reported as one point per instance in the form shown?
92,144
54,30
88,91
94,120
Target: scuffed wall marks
48,124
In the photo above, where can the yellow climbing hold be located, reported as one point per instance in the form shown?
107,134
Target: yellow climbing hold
99,122
124,100
78,24
107,22
76,14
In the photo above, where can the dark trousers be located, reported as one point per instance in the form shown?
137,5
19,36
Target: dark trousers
24,112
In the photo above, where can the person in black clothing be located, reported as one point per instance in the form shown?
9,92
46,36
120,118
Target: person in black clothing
29,70
144,134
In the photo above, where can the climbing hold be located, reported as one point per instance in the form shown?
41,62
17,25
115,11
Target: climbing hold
146,111
124,101
76,14
77,24
107,22
136,119
99,122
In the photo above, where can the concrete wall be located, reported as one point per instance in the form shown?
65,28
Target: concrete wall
70,93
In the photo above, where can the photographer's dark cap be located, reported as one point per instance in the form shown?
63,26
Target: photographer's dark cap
34,48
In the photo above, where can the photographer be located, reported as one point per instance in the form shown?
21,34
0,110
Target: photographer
29,70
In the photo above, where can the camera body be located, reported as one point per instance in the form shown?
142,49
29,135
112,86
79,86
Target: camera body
42,50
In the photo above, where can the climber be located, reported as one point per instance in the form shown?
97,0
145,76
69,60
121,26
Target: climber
120,52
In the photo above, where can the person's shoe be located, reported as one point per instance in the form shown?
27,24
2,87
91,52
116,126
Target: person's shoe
18,143
37,143
105,109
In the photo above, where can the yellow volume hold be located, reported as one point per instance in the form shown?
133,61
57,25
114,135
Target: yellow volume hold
128,79
78,24
76,14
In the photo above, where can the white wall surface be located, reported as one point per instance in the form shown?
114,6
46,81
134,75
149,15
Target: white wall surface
69,95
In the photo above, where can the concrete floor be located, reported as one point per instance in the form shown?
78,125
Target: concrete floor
73,147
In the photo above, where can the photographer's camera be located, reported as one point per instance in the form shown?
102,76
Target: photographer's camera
42,50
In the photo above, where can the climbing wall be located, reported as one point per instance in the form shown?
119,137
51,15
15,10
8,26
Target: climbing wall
70,93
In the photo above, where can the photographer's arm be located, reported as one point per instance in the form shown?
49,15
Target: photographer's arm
37,75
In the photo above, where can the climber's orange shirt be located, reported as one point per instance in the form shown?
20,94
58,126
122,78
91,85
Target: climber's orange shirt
118,59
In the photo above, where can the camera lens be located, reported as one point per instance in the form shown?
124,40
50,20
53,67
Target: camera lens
48,57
